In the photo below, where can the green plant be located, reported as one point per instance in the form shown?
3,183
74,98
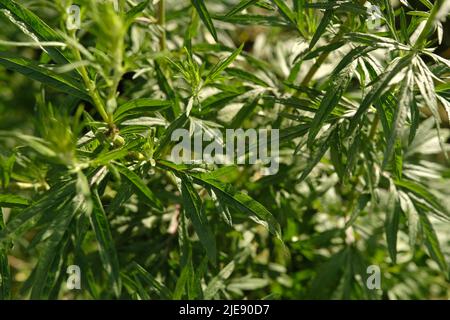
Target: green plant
85,178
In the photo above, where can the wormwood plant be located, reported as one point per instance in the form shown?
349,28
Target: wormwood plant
87,116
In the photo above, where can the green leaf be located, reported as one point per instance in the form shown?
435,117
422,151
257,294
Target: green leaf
317,155
239,201
165,140
108,254
285,11
13,201
5,274
137,106
182,282
53,199
136,11
217,282
363,200
425,83
375,41
318,51
219,100
52,248
390,19
244,113
150,281
34,71
39,145
204,15
286,135
195,212
412,215
432,243
391,228
349,58
106,157
140,185
324,22
379,87
164,85
426,196
247,76
336,153
195,290
253,19
222,65
37,26
328,276
332,97
242,5
6,169
404,101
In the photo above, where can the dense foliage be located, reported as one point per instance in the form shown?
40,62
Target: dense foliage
87,114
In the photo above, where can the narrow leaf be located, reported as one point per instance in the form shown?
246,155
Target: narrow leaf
195,212
36,72
108,254
139,184
204,15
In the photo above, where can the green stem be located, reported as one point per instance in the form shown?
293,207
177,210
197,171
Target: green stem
312,72
118,71
162,23
93,93
373,129
430,25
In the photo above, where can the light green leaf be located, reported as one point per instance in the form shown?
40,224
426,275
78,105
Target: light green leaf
13,201
217,282
182,282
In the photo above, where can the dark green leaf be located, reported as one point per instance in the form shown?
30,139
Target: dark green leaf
204,15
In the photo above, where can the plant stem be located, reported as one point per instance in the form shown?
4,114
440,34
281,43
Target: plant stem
118,71
311,73
93,92
373,129
429,26
162,23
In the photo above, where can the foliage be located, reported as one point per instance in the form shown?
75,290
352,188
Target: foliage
86,118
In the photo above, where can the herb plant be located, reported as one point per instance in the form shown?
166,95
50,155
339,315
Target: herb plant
92,91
